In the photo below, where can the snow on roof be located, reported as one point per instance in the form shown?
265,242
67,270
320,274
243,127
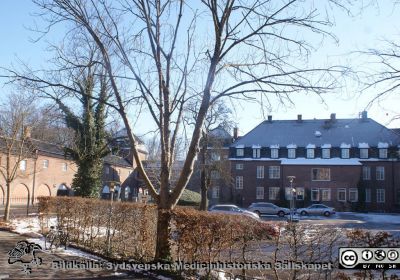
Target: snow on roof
363,145
326,146
276,146
310,146
319,161
239,146
291,146
345,146
256,147
382,145
317,133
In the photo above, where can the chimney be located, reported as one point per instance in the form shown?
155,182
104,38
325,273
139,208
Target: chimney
333,117
299,118
235,133
364,115
27,132
269,118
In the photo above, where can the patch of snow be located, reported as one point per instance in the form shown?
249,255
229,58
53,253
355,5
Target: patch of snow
382,145
317,133
326,146
376,217
363,145
26,225
319,161
345,146
291,146
274,146
241,146
310,146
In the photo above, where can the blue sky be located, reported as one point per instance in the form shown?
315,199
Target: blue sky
354,33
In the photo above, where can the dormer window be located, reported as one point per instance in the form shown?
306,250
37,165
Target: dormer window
364,153
274,151
363,150
383,153
310,151
326,153
345,153
326,150
240,151
292,153
256,151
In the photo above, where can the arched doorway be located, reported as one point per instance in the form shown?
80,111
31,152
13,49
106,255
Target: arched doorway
19,195
62,190
105,192
2,196
42,190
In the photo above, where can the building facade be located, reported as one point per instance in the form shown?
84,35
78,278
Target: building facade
47,172
350,164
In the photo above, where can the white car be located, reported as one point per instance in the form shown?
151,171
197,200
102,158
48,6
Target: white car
232,209
316,209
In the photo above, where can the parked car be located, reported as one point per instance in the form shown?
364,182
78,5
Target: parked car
232,209
317,209
268,208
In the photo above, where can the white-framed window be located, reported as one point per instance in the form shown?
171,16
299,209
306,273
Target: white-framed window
291,153
22,165
274,172
239,152
314,194
299,193
260,172
239,166
64,166
260,193
345,153
239,182
326,153
341,195
45,163
320,174
353,195
215,192
367,195
256,152
363,153
214,174
215,156
310,153
380,195
326,194
273,193
107,170
383,153
274,153
380,173
366,171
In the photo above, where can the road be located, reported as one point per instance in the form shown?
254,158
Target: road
387,222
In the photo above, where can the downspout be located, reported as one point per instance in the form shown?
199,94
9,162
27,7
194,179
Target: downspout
34,177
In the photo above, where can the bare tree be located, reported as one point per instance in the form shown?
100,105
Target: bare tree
172,51
16,120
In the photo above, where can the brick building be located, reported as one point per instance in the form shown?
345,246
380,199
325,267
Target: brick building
47,172
350,164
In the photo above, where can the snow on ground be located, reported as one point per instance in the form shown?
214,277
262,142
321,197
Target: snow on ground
376,217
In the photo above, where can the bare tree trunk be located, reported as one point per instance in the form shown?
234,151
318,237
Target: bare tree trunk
8,203
163,252
204,201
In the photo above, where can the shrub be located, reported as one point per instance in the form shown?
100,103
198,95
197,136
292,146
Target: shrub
190,198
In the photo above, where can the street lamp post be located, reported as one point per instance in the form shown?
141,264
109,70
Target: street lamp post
292,201
112,189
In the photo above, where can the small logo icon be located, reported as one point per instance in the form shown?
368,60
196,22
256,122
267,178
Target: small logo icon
349,258
393,255
380,255
25,253
367,255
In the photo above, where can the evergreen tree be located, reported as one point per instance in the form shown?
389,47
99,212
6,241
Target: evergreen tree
90,145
